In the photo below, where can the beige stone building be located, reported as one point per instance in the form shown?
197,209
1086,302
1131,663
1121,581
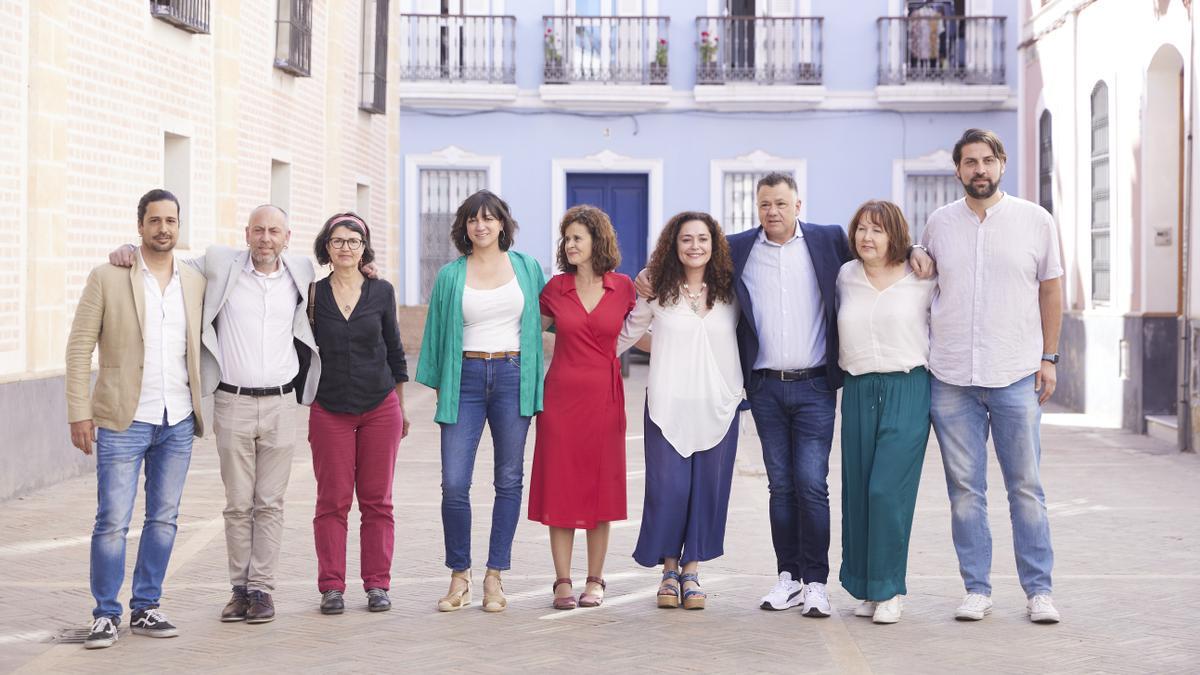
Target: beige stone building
229,104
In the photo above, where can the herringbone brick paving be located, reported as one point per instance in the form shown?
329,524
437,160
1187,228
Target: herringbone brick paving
1124,514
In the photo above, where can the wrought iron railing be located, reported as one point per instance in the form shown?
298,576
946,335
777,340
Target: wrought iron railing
293,37
606,49
190,15
946,49
458,47
763,50
373,82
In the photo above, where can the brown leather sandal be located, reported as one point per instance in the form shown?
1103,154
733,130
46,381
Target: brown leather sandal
563,603
593,599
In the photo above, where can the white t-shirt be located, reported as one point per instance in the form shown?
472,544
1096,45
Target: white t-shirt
492,318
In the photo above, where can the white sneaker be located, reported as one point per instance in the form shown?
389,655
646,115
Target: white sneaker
816,600
888,611
866,609
974,607
785,594
1041,609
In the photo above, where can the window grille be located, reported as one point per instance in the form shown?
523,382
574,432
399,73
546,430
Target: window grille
441,191
293,37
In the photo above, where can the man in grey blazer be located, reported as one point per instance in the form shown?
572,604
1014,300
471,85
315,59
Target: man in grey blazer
258,348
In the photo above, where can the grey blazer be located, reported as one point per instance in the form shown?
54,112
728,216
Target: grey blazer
220,265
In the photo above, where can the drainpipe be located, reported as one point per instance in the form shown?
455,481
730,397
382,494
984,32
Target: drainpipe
1184,413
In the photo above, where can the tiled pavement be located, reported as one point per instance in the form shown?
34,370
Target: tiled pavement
1125,519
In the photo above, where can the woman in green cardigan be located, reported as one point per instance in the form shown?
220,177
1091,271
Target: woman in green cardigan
482,352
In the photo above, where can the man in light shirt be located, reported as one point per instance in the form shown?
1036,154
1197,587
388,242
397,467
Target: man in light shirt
993,352
144,409
258,350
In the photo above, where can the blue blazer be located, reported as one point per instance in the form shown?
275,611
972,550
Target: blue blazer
829,248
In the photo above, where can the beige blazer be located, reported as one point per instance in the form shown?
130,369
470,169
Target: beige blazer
110,313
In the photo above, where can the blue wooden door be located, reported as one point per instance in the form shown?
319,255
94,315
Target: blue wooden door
624,197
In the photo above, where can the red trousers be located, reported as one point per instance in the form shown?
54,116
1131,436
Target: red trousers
355,454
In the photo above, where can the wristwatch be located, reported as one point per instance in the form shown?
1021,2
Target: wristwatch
914,247
1052,358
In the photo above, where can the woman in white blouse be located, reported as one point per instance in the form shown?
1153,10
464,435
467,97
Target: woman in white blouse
692,399
883,324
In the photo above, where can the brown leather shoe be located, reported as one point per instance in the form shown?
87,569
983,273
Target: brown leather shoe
262,608
238,604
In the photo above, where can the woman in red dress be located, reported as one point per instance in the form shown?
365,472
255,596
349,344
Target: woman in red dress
579,458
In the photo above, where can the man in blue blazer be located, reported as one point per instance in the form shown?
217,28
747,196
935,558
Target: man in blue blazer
785,273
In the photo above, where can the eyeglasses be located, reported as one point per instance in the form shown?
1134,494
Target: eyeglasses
352,244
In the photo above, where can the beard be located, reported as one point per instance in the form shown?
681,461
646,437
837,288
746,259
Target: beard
159,246
264,258
984,192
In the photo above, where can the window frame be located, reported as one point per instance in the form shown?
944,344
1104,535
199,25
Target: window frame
295,26
1100,158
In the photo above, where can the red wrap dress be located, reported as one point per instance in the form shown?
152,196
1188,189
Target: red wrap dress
579,456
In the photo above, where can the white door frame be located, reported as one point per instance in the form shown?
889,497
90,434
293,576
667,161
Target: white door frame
450,157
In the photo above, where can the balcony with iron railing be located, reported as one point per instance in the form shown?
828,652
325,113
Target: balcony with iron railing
758,50
190,15
941,50
617,50
458,48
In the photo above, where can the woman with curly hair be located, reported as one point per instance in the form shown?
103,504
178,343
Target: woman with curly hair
692,398
579,458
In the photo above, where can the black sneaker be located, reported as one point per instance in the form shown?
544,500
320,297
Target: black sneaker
377,600
332,602
104,633
151,622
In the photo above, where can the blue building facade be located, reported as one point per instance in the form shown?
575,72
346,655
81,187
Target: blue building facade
651,107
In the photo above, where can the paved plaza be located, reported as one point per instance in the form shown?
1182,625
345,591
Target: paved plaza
1125,517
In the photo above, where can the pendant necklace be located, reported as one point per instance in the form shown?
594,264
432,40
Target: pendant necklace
693,299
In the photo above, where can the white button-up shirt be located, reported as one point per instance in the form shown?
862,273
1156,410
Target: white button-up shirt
164,371
986,323
882,331
789,316
254,329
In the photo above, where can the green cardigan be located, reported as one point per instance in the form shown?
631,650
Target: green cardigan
440,365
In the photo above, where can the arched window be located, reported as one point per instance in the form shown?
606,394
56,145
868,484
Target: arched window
1101,226
1045,163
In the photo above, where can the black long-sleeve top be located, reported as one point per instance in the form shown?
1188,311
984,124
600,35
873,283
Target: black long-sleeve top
362,358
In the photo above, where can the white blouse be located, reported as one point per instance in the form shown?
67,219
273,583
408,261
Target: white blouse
695,382
882,331
492,318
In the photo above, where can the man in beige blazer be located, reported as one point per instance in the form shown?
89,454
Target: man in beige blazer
145,408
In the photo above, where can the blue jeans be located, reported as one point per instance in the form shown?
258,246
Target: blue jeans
490,392
795,427
167,452
962,417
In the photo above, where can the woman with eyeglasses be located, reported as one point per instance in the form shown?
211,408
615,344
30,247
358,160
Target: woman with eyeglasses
482,352
357,419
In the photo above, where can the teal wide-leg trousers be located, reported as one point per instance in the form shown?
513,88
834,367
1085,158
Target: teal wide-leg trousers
885,427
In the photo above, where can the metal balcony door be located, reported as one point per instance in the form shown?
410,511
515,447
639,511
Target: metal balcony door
625,198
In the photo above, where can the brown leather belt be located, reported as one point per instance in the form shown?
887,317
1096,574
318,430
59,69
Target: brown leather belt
490,355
